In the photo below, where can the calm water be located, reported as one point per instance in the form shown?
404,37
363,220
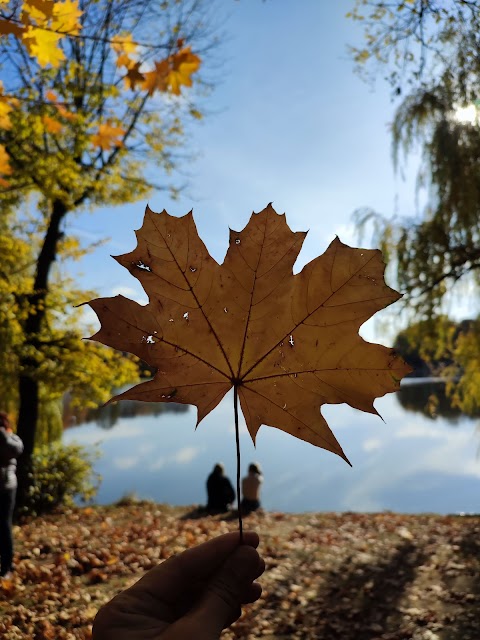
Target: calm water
411,463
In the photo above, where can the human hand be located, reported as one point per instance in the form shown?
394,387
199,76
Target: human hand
193,595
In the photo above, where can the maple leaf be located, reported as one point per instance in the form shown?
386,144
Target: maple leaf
124,47
156,79
286,343
123,43
7,27
43,45
184,64
39,11
134,76
108,137
65,17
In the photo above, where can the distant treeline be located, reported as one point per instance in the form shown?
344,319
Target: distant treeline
429,348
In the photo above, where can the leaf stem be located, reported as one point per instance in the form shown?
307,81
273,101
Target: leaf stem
237,440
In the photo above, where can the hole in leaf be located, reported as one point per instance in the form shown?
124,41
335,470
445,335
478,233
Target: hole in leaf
237,241
171,320
141,265
150,340
291,341
185,315
193,269
225,309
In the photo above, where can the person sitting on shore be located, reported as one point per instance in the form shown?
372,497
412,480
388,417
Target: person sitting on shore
220,492
11,448
251,489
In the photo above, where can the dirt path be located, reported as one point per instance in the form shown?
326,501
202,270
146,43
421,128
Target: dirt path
329,576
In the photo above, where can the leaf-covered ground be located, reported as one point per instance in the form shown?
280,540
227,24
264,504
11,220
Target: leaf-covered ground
329,576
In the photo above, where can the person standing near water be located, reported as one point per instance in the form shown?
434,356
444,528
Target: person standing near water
11,447
251,489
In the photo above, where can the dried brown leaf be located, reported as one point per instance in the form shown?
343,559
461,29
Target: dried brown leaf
289,343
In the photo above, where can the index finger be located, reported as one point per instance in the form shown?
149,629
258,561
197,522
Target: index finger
167,581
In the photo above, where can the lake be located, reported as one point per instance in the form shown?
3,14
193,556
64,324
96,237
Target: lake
410,463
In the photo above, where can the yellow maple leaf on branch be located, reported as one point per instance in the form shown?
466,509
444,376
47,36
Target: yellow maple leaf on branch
173,72
44,46
156,79
184,64
108,136
65,17
124,47
46,23
37,11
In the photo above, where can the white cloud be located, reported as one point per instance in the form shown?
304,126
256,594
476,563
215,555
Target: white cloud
372,444
85,435
186,455
144,448
182,456
130,292
126,463
348,233
157,465
435,431
89,320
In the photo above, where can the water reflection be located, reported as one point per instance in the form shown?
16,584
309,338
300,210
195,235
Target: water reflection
409,463
429,398
108,416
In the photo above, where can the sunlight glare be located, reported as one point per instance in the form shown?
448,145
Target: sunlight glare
467,115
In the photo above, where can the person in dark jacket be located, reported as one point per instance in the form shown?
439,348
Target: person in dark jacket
219,490
11,448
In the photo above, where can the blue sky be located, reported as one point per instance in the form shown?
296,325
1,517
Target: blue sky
290,123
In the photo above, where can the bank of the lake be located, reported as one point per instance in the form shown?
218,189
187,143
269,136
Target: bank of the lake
352,576
423,455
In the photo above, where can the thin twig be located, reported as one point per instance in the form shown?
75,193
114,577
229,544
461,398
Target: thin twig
237,439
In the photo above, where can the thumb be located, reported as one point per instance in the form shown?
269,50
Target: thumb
220,605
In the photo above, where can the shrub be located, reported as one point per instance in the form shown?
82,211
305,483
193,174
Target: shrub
61,475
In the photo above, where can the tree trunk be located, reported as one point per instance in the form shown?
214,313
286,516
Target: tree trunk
28,384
